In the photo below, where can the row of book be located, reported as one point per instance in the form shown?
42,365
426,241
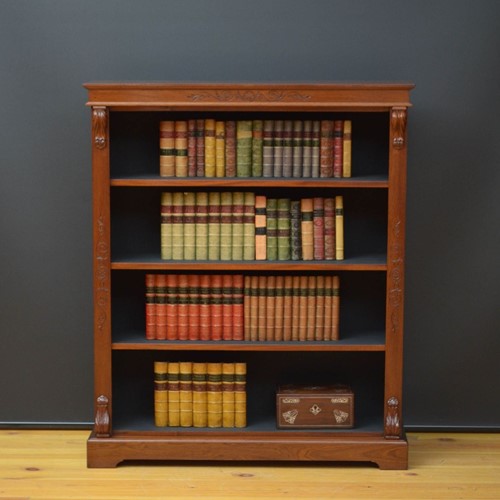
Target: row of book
192,394
245,226
255,148
214,307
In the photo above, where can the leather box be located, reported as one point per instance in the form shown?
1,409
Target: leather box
318,407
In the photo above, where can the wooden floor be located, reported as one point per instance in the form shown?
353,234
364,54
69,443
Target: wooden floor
51,465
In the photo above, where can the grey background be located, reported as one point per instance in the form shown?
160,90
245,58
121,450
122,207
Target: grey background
449,48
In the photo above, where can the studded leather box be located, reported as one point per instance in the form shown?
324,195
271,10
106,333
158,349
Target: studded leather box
303,407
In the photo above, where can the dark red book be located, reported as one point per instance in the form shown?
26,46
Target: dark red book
318,228
216,307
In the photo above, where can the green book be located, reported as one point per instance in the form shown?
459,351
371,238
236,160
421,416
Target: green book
189,227
178,226
226,221
272,228
283,225
214,226
243,148
201,225
257,145
237,239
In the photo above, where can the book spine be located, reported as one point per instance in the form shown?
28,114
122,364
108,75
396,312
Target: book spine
257,153
174,417
227,307
297,146
306,227
238,308
183,307
220,149
315,149
336,309
329,228
319,331
216,307
214,213
243,148
272,228
166,214
201,226
189,227
261,308
270,308
339,227
199,395
318,229
295,232
200,148
167,149
209,147
303,316
161,311
181,149
226,225
338,154
347,149
268,149
295,307
307,143
172,332
311,307
178,226
278,308
287,148
191,148
161,393
278,149
328,308
214,395
186,394
230,148
240,395
249,226
283,224
205,307
247,294
260,228
150,309
326,149
253,309
228,390
193,306
287,308
237,225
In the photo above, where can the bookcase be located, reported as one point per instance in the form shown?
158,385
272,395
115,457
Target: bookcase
127,189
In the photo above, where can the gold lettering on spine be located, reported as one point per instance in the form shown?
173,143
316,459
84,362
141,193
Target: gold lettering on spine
392,419
398,126
100,126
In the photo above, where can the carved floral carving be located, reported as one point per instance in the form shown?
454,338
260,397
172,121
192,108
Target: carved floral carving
99,126
398,125
101,265
392,419
249,96
396,277
102,425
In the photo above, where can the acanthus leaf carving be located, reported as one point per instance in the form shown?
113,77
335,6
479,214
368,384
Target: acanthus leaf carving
393,419
102,424
398,126
100,126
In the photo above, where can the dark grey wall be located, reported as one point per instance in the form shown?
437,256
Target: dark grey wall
449,48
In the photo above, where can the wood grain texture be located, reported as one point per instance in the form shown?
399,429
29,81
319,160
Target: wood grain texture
51,465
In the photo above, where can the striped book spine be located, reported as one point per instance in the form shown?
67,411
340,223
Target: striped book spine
283,224
268,149
189,227
278,149
295,307
167,208
253,308
246,307
181,148
209,147
297,147
230,148
270,307
205,309
167,149
287,148
227,307
261,308
228,390
220,148
328,309
193,306
214,214
338,154
201,225
319,330
272,228
243,148
226,225
307,143
336,308
311,307
257,145
249,226
178,226
303,316
216,307
347,149
279,304
260,228
287,308
186,394
161,307
199,394
172,317
182,307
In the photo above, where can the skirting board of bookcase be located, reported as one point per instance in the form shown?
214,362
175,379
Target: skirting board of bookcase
388,454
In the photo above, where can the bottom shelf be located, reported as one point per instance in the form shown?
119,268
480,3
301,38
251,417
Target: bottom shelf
249,446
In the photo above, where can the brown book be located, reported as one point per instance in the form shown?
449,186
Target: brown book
238,312
210,147
247,307
167,149
328,308
306,228
329,228
205,307
278,308
311,307
171,308
303,308
338,144
295,307
227,307
270,308
220,149
200,148
174,414
287,308
199,386
193,306
326,149
191,146
257,148
253,309
230,148
336,309
347,149
260,228
339,227
319,330
216,307
297,148
307,149
214,395
183,307
161,393
318,228
150,309
181,148
261,307
167,208
186,394
315,148
240,395
228,407
161,307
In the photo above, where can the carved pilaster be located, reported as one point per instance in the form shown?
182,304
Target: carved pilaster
393,419
102,425
398,127
100,126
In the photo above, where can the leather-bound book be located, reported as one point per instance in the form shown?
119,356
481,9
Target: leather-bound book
230,148
306,226
166,214
283,224
268,149
249,226
209,147
318,228
181,148
243,148
347,149
295,232
161,393
328,308
326,149
287,148
150,306
183,306
161,311
279,308
339,227
297,148
254,308
238,307
178,226
315,150
295,307
214,209
257,145
174,414
247,307
186,393
303,308
307,142
240,395
216,307
201,225
220,149
336,309
272,228
227,307
319,331
228,407
237,225
338,154
329,229
191,148
214,395
261,307
311,307
226,225
205,307
193,306
270,307
171,308
278,148
260,228
199,394
200,148
167,149
287,308
189,227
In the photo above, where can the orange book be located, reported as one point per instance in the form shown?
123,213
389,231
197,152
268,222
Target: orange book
216,307
161,306
253,308
227,307
311,307
228,409
171,309
204,307
329,228
260,228
319,333
318,228
287,308
150,309
270,307
328,308
303,317
279,308
183,307
199,394
347,149
193,306
186,394
261,308
295,307
238,311
174,414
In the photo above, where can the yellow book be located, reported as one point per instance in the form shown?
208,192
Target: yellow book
209,148
220,147
214,395
186,394
200,395
240,395
173,395
228,394
347,149
160,393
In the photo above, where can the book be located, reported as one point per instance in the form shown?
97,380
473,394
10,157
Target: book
283,228
318,228
306,227
161,311
240,395
287,148
278,148
319,324
209,147
243,148
178,226
270,307
226,225
166,213
200,148
295,307
193,310
214,395
174,416
238,307
230,148
336,308
182,307
249,226
189,226
161,393
329,228
220,149
303,308
262,313
186,394
247,307
227,307
328,308
205,308
237,225
199,386
172,319
295,231
315,148
297,148
150,309
167,149
279,304
228,390
311,307
253,309
191,148
257,148
339,227
326,149
260,228
288,313
181,148
216,307
272,228
338,155
347,149
268,148
214,214
307,143
201,225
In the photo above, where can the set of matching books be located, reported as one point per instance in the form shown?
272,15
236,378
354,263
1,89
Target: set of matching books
190,307
255,148
245,226
188,394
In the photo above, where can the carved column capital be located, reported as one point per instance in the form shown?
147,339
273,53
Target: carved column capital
398,127
100,126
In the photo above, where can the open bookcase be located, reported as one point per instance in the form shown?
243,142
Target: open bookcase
127,189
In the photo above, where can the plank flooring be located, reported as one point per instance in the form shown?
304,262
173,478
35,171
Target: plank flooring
51,465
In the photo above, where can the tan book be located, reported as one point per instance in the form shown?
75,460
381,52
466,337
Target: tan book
339,227
200,417
328,308
178,226
181,148
189,227
201,226
270,307
287,308
279,308
214,208
167,149
210,148
214,395
336,309
249,226
261,308
319,329
237,226
306,228
228,408
329,228
240,395
166,227
161,393
226,225
311,307
174,416
303,310
260,228
347,149
192,133
186,393
295,307
220,149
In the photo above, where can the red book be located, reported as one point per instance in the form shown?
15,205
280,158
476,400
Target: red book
338,152
172,319
227,307
326,149
318,229
205,307
150,310
216,307
161,293
182,306
238,313
194,307
261,307
329,231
